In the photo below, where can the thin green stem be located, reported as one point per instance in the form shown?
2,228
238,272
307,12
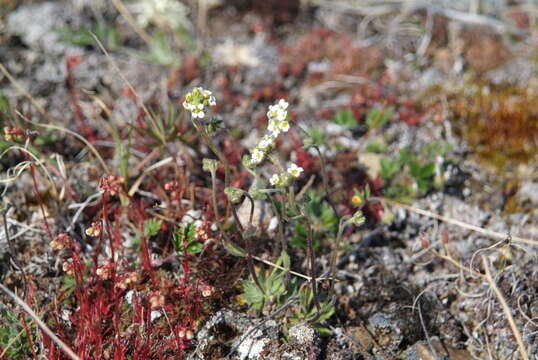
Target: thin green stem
248,246
341,226
281,238
312,268
325,180
216,151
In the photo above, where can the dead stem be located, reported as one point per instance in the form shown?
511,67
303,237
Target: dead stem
462,224
40,323
505,308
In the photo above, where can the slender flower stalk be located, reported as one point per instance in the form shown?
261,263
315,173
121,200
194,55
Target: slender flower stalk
357,219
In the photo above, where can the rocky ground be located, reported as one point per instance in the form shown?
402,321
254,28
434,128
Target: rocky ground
448,153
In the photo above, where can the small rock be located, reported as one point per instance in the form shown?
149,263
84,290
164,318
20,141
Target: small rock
261,218
423,351
529,191
252,346
302,335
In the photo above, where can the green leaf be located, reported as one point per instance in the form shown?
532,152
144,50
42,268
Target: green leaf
160,51
184,234
314,137
389,167
405,156
234,249
377,118
345,118
421,171
195,247
152,227
376,147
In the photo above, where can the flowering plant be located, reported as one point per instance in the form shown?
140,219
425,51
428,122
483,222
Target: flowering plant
278,191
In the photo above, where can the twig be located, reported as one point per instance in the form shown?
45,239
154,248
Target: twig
10,343
131,87
267,262
122,9
506,309
462,224
26,94
40,323
59,128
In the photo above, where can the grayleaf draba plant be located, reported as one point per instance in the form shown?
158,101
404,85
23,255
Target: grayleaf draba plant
278,189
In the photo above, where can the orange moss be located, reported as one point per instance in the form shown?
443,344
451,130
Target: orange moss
499,122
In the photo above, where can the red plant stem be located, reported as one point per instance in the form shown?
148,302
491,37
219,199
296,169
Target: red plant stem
104,215
29,336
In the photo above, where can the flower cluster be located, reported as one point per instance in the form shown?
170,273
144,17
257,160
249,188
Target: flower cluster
278,122
197,100
278,118
285,178
156,299
61,241
68,267
127,280
104,272
94,230
174,188
161,13
14,134
111,184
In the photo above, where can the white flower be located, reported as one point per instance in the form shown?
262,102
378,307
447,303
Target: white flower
266,142
274,180
199,114
257,156
169,13
197,100
295,170
155,315
278,117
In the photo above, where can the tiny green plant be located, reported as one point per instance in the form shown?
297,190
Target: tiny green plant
273,289
305,310
378,117
414,172
345,118
82,36
152,227
13,340
185,240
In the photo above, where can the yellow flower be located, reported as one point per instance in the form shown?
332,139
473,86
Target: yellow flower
356,200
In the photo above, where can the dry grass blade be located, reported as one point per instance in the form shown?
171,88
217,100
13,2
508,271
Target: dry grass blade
10,343
59,128
40,323
506,309
122,9
19,87
130,86
267,262
462,224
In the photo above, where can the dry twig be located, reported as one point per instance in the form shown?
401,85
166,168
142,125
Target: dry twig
506,309
40,323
